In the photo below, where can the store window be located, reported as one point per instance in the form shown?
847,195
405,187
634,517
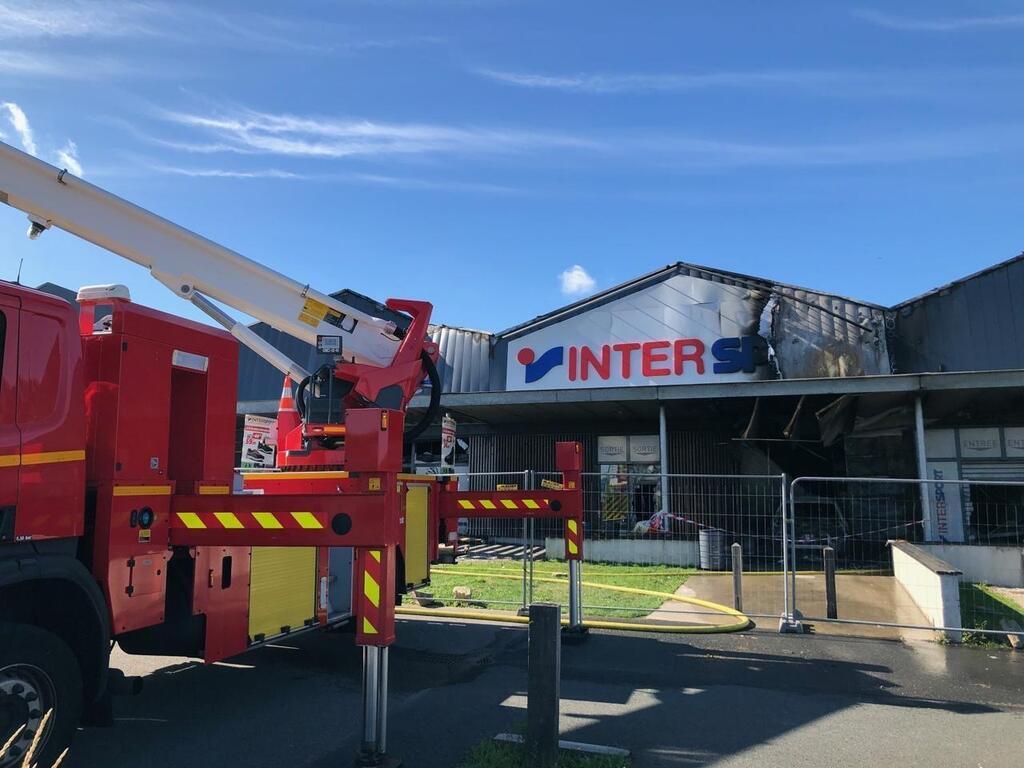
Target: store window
630,492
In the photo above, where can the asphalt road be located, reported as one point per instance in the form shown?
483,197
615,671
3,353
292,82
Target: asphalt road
750,699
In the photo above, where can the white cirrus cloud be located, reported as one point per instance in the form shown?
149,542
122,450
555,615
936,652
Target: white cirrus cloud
949,24
252,132
226,173
670,81
19,122
184,23
67,156
576,281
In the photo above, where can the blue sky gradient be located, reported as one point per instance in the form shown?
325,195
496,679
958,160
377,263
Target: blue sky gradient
471,152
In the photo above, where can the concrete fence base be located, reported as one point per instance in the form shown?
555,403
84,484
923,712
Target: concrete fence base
996,565
933,584
681,554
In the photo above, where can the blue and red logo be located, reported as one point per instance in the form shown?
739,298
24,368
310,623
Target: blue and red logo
650,359
539,367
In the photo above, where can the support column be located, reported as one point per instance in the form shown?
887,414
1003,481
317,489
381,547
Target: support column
373,746
922,467
663,445
575,609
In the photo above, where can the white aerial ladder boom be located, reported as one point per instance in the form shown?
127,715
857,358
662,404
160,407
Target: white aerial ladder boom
191,266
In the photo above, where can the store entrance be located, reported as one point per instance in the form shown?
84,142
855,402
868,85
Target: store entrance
630,494
629,484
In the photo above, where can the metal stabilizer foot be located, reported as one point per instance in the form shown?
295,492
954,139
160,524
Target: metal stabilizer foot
372,752
575,632
574,635
376,760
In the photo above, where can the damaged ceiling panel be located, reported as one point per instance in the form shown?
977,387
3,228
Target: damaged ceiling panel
812,335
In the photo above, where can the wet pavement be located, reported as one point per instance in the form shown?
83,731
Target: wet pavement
748,699
858,598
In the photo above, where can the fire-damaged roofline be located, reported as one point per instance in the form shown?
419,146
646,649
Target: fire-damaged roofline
638,283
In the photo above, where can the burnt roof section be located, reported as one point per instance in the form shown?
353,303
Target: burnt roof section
680,267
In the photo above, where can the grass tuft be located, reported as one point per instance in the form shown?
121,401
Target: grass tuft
492,754
506,594
983,608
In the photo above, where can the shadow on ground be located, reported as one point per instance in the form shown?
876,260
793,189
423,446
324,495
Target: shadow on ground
734,700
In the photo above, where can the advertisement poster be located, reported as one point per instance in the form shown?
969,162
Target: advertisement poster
259,442
447,442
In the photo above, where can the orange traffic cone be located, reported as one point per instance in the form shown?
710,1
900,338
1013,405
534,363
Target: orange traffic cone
287,416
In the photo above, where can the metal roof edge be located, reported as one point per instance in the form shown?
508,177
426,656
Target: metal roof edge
899,382
638,283
958,282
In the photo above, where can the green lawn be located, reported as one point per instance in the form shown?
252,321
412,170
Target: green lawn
982,608
490,754
481,576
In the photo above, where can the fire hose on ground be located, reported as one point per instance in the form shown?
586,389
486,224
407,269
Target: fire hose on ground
741,621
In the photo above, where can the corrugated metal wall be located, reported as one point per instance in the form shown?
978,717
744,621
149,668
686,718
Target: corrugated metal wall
688,452
465,358
972,325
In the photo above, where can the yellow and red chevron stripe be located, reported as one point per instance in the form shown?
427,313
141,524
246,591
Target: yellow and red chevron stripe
372,579
573,539
502,503
267,521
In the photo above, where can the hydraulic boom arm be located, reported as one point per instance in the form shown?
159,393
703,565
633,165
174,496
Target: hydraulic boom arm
191,266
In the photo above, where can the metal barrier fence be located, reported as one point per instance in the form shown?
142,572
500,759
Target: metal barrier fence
817,549
626,524
912,554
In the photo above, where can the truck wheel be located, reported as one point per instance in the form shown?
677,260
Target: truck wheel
38,673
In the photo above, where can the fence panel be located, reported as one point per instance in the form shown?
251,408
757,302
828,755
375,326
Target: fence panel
690,536
914,554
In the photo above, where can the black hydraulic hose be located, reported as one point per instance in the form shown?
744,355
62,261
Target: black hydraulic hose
300,397
300,393
435,398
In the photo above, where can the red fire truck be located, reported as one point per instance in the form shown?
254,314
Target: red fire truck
118,516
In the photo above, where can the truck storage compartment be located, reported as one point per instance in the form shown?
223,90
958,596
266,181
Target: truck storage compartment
282,590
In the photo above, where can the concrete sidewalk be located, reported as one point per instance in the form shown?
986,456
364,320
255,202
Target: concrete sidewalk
858,597
749,699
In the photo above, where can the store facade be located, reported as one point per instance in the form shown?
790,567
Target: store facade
691,370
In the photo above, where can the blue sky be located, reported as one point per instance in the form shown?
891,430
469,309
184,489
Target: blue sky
473,152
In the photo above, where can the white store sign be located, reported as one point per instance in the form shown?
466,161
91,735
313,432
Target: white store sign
683,330
612,450
644,449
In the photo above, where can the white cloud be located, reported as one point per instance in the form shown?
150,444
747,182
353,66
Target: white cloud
955,24
60,65
251,132
576,281
639,82
67,157
225,173
181,22
45,18
19,121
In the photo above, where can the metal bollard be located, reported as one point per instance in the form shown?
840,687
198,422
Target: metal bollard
524,610
737,576
829,558
543,681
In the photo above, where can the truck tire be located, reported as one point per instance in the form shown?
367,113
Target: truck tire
38,673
